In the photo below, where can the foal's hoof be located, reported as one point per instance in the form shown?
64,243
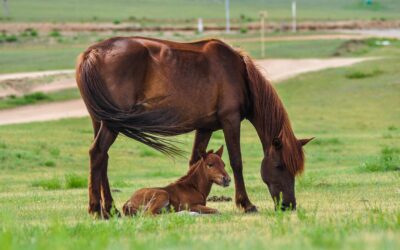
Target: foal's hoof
250,209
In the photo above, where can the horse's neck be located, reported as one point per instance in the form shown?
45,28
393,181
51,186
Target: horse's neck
199,181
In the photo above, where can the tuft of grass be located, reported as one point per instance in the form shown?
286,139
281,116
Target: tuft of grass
327,141
49,163
389,160
361,74
55,33
116,21
48,184
75,181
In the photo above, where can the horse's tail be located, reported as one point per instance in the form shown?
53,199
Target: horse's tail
148,127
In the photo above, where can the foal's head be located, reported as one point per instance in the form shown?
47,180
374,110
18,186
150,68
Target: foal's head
214,167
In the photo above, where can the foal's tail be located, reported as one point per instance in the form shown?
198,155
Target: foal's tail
148,127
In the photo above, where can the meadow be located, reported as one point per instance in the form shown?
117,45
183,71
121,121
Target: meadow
348,197
152,11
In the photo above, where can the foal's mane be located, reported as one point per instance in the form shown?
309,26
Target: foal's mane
192,170
271,118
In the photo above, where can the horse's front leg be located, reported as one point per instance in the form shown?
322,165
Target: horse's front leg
201,140
231,128
98,164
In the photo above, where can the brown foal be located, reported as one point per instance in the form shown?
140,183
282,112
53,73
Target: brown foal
188,193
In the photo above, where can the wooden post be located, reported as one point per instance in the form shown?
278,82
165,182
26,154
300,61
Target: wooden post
263,15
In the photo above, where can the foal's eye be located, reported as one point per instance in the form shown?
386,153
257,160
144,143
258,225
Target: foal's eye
210,165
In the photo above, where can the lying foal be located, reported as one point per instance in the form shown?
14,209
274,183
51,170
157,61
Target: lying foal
188,193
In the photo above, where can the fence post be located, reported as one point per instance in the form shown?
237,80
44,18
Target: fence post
294,24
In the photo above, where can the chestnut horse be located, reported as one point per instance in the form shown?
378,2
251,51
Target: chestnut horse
190,192
147,89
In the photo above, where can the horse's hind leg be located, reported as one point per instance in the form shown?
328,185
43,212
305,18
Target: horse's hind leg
98,169
158,201
201,140
105,186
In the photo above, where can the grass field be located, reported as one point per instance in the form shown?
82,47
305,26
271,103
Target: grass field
348,198
134,10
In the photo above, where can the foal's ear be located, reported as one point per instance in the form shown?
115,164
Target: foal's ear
220,151
305,141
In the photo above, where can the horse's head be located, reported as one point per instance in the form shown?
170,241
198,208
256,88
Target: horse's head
215,168
282,161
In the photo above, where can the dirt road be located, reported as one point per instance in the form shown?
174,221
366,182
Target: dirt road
275,69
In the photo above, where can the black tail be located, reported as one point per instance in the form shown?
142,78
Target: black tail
148,127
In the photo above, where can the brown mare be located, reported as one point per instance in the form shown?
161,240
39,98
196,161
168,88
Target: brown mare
190,192
147,89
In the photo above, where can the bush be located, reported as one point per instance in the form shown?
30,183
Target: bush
116,21
11,38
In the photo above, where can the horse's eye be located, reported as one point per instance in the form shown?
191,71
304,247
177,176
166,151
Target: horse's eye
210,165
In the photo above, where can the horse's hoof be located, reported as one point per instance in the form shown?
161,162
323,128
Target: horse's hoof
250,209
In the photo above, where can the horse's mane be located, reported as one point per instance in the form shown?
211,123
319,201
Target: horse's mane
271,117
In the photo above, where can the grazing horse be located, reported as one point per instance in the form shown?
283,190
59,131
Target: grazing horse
188,193
148,89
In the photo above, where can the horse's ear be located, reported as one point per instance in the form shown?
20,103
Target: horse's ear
210,152
305,141
220,151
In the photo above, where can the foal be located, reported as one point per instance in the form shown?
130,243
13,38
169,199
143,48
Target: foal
188,193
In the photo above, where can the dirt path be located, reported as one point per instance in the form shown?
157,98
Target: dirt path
275,69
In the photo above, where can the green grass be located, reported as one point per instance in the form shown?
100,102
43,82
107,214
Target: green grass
340,207
38,97
247,10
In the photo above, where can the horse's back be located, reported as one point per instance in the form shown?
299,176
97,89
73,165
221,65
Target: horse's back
187,77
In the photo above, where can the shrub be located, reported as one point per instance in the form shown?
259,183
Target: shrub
116,21
243,30
11,38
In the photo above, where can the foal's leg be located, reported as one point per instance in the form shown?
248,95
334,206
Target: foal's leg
231,128
98,163
200,144
159,200
203,209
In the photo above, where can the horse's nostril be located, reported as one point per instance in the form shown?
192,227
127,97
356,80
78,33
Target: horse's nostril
226,180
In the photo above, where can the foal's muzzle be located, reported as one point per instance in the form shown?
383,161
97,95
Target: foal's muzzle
225,181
